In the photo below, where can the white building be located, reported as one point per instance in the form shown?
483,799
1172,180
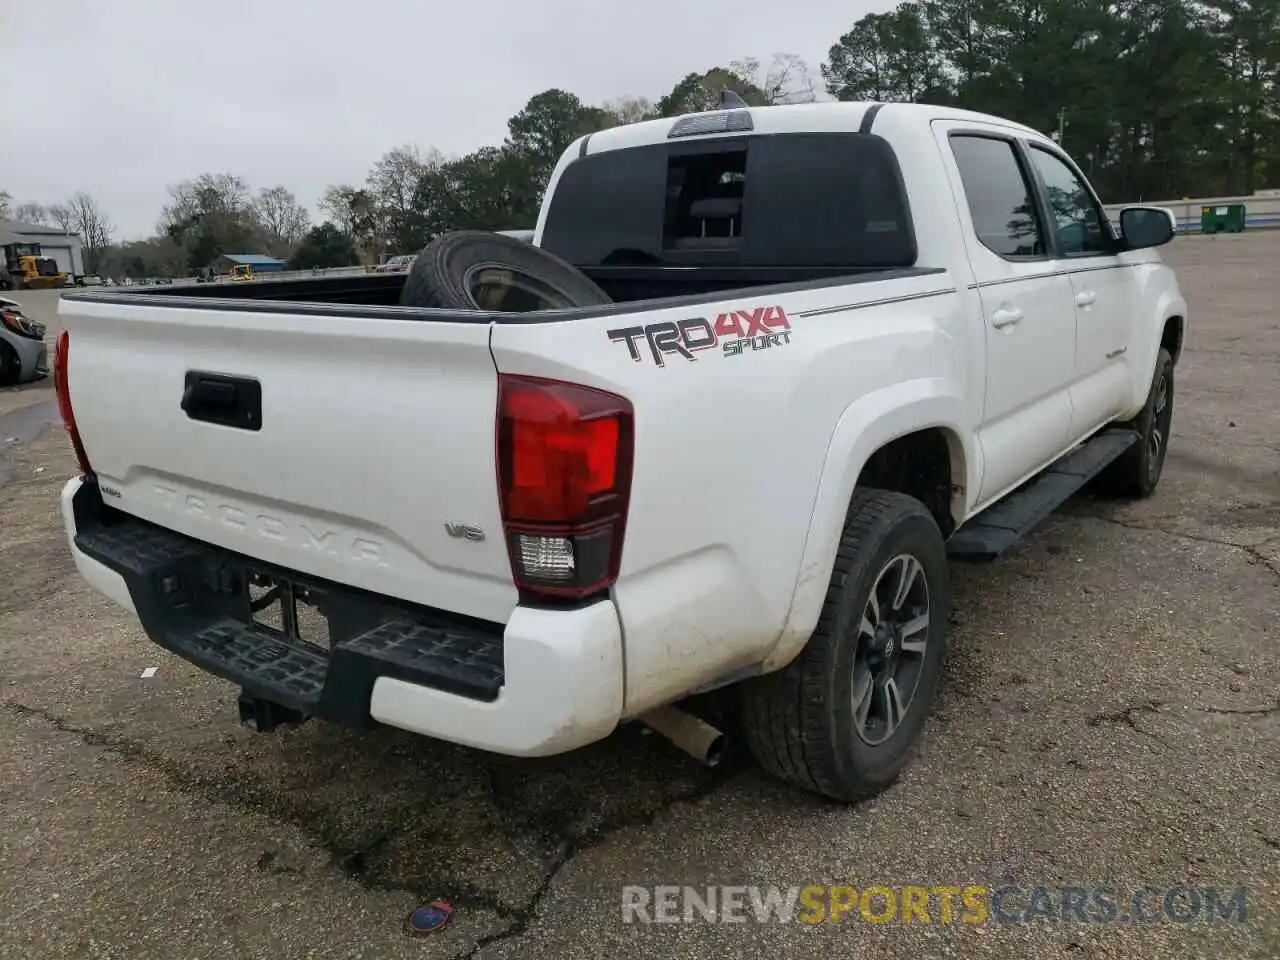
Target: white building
62,247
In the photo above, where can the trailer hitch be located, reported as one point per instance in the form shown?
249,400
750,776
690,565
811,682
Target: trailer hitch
265,715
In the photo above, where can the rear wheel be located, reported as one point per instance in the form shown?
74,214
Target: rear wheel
841,719
10,365
1136,473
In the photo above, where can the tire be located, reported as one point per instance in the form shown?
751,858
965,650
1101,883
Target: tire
800,722
475,270
1136,473
10,365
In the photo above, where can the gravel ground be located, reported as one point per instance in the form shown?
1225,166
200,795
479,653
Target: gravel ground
1109,717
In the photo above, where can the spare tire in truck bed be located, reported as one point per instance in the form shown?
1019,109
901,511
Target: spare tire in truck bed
476,270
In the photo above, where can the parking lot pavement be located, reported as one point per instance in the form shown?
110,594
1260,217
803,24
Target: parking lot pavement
1109,717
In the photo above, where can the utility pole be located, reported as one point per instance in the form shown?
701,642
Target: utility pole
1062,122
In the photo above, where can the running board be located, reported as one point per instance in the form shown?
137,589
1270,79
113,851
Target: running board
1007,521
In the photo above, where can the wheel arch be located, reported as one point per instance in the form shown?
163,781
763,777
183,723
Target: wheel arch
919,415
1172,334
1164,327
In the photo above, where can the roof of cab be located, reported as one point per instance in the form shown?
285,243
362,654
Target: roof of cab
828,116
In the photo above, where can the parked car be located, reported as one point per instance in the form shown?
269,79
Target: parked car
761,374
398,264
23,355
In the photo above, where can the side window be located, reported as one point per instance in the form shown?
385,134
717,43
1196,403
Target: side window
1077,222
999,196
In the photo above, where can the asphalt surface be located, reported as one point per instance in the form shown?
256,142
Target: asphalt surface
1109,716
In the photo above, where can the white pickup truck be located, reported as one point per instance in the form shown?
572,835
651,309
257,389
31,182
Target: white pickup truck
808,353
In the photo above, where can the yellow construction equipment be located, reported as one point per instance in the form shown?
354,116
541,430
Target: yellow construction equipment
39,273
242,271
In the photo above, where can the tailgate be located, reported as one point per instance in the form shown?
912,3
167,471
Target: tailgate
372,462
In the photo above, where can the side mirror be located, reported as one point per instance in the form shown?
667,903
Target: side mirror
1142,227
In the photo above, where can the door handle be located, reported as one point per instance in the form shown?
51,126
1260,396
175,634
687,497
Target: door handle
1005,317
1085,298
223,400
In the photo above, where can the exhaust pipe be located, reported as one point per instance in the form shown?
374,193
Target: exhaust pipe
691,734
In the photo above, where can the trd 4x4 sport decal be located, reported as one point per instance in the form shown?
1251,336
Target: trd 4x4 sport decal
736,333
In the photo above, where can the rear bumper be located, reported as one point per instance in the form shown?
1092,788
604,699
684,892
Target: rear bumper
548,682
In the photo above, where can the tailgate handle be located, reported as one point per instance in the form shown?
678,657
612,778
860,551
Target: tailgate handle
223,400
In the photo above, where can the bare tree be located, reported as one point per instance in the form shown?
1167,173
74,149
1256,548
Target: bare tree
94,228
283,218
6,201
211,215
395,177
787,80
631,109
62,217
392,185
790,80
355,211
31,213
210,193
336,201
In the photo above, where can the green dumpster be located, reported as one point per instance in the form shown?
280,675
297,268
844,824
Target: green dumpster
1225,218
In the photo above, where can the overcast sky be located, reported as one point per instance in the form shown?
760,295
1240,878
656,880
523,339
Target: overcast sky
122,97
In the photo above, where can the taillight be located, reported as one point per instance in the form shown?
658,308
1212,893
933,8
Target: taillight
61,351
564,482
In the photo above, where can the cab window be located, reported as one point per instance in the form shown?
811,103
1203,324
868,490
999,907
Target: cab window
1077,221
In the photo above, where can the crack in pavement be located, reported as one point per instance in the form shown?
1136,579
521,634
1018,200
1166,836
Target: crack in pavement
1128,716
243,793
573,845
1244,711
1253,551
353,861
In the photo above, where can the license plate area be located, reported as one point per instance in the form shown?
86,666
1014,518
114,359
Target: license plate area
289,610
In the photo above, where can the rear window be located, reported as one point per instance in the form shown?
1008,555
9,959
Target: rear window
772,200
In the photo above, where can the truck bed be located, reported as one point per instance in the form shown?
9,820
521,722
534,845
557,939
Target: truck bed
666,286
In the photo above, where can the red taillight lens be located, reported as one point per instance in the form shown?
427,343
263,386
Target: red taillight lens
564,480
61,354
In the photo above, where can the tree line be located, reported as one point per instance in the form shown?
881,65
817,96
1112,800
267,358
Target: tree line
1156,99
207,216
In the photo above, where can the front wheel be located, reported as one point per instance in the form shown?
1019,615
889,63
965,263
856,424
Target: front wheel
1136,472
10,365
841,719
